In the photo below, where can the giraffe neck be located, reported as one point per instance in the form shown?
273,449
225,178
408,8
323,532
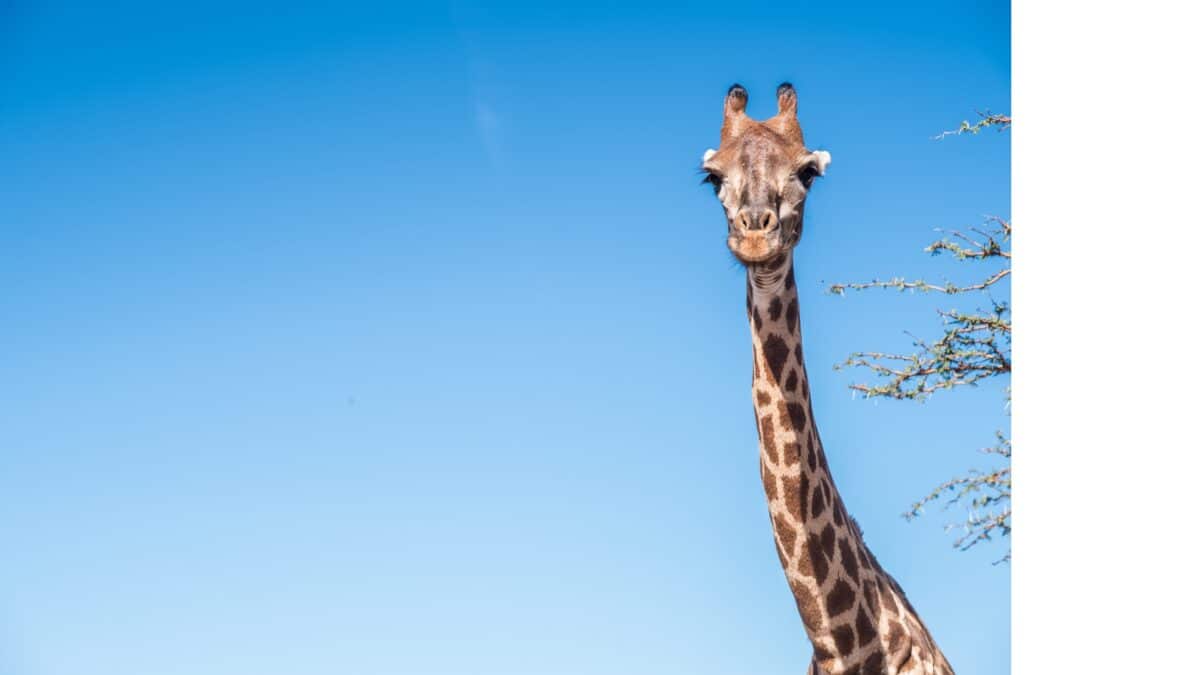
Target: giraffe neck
855,614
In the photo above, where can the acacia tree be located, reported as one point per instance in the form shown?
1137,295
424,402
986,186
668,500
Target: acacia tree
973,346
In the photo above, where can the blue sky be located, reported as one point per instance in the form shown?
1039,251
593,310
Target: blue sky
403,339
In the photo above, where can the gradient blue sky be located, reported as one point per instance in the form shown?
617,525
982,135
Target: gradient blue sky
403,339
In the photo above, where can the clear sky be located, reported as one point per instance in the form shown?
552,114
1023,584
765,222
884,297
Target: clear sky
403,338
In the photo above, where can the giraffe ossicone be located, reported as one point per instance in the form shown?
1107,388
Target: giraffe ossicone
855,614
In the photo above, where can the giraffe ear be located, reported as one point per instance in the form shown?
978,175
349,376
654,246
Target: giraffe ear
708,155
824,159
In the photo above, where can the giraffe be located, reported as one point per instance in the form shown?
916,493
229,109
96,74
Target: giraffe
854,612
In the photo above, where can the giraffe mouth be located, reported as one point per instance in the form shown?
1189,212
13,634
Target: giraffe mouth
755,247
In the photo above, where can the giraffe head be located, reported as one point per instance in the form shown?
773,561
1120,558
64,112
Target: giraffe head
762,174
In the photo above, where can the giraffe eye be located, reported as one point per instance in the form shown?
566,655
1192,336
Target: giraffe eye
714,180
807,175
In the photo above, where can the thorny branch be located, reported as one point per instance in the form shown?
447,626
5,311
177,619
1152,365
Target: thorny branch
973,249
974,346
989,510
1001,122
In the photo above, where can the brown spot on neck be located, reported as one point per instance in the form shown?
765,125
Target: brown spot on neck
775,351
840,598
865,627
768,439
775,308
843,639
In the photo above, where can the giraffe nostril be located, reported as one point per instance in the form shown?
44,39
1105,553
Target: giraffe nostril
757,221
